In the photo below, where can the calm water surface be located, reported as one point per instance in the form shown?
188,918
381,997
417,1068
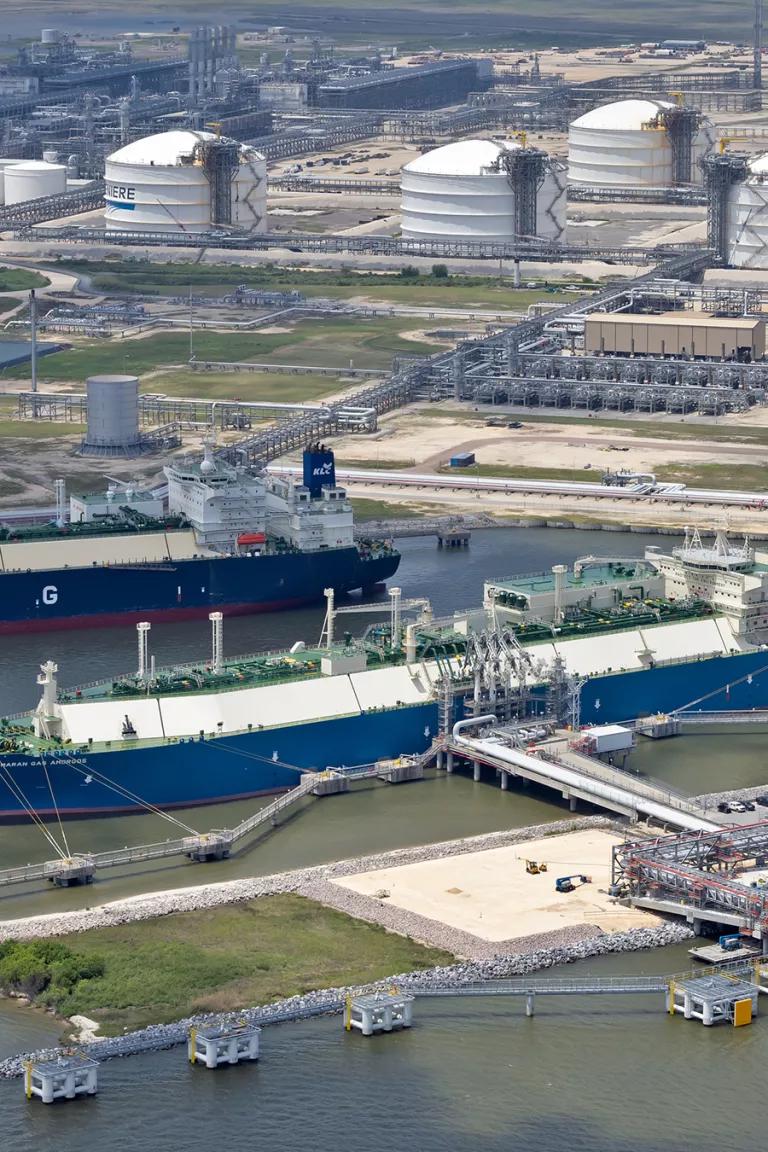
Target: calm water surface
593,1075
589,1075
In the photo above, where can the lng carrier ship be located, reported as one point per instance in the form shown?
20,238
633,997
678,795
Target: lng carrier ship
611,639
229,540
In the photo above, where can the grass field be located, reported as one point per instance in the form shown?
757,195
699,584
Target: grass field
331,342
377,462
742,477
225,958
502,471
20,280
250,386
32,430
644,429
215,280
381,510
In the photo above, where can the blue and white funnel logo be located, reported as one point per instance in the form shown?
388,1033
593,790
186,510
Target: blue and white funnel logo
319,469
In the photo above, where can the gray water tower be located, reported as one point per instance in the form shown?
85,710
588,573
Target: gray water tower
113,417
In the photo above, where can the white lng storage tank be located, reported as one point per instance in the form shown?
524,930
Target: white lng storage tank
32,179
747,217
616,145
463,192
185,181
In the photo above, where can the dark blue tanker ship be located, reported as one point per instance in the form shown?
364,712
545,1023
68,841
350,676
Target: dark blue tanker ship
231,542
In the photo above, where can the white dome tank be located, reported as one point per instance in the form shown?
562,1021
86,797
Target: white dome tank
460,192
616,146
31,179
3,165
747,218
160,184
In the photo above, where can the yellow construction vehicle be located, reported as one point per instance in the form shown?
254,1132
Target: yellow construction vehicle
533,868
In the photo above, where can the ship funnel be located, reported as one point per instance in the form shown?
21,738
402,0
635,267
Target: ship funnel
319,469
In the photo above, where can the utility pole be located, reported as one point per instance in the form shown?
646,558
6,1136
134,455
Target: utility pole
757,75
33,349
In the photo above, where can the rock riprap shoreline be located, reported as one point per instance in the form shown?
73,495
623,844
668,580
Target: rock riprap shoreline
331,1000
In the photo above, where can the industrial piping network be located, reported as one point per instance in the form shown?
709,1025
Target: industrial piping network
403,385
670,493
692,874
565,778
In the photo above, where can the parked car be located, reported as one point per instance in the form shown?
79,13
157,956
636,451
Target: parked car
738,806
748,805
724,806
762,801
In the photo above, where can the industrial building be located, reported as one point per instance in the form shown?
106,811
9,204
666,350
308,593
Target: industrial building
427,86
638,143
185,181
692,334
483,190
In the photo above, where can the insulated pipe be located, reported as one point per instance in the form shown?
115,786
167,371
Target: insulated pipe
462,724
562,775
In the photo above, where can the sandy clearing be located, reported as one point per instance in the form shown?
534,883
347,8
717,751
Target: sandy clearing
429,443
490,895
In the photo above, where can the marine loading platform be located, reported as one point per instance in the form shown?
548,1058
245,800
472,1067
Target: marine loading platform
717,876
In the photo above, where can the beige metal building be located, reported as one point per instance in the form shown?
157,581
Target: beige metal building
675,334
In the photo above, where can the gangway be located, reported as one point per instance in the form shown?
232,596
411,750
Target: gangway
219,843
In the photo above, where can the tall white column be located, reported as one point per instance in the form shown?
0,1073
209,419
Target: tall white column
142,631
217,640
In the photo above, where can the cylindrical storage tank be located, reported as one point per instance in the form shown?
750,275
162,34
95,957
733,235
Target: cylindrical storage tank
161,184
32,179
51,157
623,145
112,406
461,192
747,218
50,36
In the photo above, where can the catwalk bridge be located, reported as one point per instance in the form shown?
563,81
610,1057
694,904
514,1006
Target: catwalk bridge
218,844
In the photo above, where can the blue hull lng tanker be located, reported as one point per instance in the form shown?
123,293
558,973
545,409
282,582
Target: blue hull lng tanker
230,541
609,640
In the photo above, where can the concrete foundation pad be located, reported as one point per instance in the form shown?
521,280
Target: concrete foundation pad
490,895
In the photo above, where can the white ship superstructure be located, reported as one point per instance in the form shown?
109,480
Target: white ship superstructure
229,507
306,522
220,502
732,578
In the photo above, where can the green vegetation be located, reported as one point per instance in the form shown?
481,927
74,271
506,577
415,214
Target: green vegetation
225,958
20,280
381,510
34,430
643,429
215,280
45,970
388,465
742,477
249,386
332,342
502,471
